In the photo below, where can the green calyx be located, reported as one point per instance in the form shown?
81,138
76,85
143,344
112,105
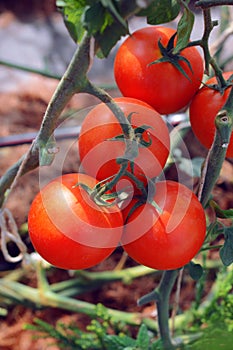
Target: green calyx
174,58
221,85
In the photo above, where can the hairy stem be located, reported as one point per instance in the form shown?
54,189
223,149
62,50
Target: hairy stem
217,153
72,82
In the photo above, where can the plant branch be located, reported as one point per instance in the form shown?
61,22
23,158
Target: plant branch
30,70
217,153
163,294
211,3
72,82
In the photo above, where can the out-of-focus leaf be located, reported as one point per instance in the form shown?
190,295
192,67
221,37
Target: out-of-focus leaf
161,11
195,270
226,252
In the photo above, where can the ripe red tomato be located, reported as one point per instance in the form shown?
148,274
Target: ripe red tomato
68,229
98,154
203,110
161,85
168,239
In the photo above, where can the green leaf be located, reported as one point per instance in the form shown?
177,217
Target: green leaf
108,38
226,252
100,18
95,19
109,4
115,342
184,28
161,11
195,270
143,339
72,11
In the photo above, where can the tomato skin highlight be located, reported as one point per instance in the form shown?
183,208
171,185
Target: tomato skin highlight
68,229
170,239
161,85
98,153
203,110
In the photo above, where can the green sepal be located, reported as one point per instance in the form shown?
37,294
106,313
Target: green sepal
169,57
139,132
134,207
120,137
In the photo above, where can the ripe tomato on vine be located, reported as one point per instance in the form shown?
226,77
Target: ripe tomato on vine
169,235
203,109
100,149
161,84
68,229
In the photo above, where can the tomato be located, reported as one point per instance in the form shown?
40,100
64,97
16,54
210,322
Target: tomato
168,237
68,229
98,153
203,110
161,85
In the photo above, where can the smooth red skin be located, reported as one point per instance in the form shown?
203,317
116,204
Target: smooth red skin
50,211
98,155
161,85
168,240
203,110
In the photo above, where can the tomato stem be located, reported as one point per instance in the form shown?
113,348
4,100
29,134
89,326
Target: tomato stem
162,301
209,24
217,152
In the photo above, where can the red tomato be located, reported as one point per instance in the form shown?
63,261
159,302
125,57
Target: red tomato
161,85
203,110
170,237
98,154
68,229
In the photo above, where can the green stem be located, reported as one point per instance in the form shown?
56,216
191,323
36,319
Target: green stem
29,70
23,294
72,82
209,60
217,153
211,3
163,294
113,106
204,44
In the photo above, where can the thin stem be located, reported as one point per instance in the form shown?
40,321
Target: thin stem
204,44
163,293
211,3
113,106
30,70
